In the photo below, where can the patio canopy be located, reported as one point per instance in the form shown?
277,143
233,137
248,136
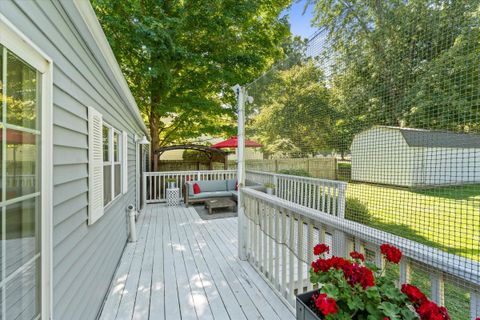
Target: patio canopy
233,143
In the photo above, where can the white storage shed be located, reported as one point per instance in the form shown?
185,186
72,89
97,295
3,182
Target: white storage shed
415,157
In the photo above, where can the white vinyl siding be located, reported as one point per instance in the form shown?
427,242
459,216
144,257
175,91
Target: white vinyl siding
85,256
95,162
382,156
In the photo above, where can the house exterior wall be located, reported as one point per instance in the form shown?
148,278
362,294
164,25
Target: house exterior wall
84,257
382,156
447,166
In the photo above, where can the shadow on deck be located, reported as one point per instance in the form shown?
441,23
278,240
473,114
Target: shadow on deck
183,267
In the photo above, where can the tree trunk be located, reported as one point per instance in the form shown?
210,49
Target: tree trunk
155,142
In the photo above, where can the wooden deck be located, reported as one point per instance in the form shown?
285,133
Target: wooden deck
183,267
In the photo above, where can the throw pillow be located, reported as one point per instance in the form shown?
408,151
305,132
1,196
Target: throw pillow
196,188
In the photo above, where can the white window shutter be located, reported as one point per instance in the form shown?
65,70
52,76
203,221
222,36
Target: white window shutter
95,166
125,161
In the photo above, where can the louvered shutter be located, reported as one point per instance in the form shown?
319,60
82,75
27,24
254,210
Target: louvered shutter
95,166
125,161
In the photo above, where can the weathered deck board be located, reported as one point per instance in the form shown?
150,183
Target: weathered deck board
183,267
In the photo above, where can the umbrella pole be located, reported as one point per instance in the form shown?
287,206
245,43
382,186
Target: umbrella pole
242,231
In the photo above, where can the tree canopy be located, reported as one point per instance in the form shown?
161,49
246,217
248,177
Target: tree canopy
180,58
397,63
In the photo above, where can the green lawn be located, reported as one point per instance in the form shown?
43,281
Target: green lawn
445,218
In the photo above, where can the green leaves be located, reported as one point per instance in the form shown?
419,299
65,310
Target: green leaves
181,57
390,310
292,114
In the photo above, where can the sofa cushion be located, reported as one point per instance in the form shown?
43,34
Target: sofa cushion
212,194
207,186
231,183
212,185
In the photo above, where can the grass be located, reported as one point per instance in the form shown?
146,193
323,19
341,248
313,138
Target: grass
444,218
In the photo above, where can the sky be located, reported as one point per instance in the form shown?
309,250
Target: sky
300,24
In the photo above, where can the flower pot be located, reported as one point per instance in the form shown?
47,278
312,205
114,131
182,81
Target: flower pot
270,191
304,312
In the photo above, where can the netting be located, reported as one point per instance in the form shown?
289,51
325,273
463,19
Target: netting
384,97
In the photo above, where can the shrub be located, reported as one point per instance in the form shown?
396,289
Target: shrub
295,172
356,211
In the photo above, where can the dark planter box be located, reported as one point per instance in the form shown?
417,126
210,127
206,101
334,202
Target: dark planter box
303,310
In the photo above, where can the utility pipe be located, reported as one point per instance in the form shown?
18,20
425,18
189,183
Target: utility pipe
133,228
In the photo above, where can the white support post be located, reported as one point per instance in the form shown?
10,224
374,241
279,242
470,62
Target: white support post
339,243
144,188
275,183
405,271
341,201
240,92
438,288
474,304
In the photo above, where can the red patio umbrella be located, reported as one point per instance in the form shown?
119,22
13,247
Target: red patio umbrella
18,137
233,143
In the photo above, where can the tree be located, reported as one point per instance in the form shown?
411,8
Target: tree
181,57
293,110
402,63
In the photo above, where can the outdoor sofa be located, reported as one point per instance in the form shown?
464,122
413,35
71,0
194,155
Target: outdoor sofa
216,189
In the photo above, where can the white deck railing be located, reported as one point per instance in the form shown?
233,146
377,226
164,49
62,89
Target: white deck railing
25,180
155,183
280,236
319,194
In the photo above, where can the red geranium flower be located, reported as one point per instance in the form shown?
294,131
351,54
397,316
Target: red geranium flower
430,311
357,256
325,304
320,265
320,248
391,253
324,265
414,294
355,273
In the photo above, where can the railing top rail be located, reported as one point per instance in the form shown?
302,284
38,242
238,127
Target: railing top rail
152,173
464,269
309,179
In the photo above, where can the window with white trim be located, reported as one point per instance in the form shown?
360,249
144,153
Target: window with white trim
20,190
112,164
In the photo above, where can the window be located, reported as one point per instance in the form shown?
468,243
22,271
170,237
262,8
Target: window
112,164
20,196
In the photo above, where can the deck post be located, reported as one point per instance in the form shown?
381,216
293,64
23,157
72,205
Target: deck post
474,304
242,234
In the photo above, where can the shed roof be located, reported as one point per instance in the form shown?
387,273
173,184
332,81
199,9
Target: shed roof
437,139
